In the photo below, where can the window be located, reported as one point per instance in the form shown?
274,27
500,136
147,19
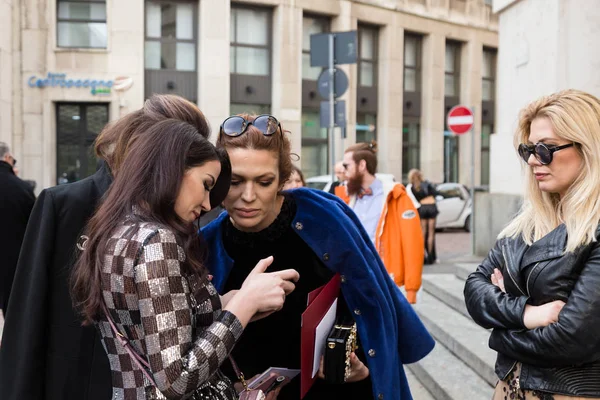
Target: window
366,127
488,75
315,145
452,69
82,24
78,124
451,153
411,146
250,41
310,26
486,131
367,56
412,63
252,109
170,36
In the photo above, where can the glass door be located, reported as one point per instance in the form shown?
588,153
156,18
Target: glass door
78,124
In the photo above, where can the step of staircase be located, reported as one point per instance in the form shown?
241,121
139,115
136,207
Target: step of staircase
463,270
448,378
418,391
459,334
447,288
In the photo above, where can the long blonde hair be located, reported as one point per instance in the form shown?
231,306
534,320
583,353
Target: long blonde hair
575,116
415,177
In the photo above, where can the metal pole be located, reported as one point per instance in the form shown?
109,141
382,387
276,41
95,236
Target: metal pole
472,224
331,106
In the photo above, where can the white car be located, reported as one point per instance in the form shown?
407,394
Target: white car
454,204
323,182
453,201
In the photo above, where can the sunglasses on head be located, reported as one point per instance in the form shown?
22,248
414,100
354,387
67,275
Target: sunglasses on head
540,151
235,125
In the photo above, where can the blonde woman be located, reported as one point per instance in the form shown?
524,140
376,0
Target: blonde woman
538,289
424,193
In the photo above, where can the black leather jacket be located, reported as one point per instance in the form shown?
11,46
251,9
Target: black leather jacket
563,357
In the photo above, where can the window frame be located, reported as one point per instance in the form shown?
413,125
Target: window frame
494,54
80,21
175,40
325,23
410,146
418,61
373,61
268,46
456,47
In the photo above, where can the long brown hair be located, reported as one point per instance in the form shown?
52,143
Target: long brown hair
115,139
278,144
149,180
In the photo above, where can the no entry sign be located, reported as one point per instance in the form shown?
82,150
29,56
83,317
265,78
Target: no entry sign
460,120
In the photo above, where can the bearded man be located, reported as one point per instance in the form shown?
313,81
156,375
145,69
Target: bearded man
388,216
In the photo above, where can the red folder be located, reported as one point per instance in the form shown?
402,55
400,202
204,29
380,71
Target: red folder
319,301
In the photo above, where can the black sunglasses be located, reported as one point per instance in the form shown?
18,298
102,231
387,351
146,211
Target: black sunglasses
540,151
235,125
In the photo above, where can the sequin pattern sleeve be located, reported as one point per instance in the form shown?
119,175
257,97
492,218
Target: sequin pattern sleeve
179,362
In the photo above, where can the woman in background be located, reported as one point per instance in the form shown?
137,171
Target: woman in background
296,179
424,192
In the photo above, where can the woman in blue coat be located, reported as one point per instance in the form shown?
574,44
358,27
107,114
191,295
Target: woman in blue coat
318,235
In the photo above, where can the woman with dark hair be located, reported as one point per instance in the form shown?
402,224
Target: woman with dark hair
296,179
319,236
43,339
140,275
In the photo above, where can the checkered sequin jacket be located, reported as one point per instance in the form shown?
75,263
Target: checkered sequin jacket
171,318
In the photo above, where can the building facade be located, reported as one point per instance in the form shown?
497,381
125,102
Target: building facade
545,46
69,66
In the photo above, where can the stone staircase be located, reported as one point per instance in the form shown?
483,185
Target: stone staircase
461,366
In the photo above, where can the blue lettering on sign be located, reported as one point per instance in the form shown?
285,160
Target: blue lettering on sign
60,80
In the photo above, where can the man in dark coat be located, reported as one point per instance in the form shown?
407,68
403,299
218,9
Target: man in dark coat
46,353
16,202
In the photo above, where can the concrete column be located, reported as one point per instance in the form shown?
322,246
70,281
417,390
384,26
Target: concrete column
35,140
6,71
341,23
470,95
286,103
432,117
390,95
213,65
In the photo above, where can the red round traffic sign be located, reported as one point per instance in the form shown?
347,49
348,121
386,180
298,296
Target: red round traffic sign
460,120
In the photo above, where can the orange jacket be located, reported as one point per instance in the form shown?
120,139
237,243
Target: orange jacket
398,238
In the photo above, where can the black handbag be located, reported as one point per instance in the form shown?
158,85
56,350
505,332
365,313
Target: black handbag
341,342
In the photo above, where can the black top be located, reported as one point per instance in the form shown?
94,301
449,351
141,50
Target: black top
275,341
425,190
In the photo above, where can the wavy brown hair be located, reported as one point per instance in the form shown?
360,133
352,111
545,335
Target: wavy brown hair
278,144
115,139
367,152
148,180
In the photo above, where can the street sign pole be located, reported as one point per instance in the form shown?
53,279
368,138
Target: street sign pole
331,105
472,222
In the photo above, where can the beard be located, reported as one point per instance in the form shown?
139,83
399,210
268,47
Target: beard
354,183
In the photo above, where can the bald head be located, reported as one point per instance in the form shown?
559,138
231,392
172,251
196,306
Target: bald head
340,171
